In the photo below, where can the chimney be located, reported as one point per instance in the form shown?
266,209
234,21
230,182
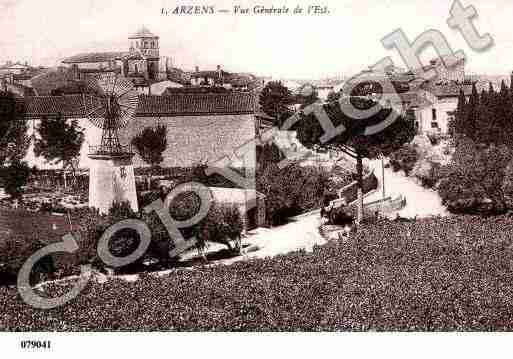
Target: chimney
197,68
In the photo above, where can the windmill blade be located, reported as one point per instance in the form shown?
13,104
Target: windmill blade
106,82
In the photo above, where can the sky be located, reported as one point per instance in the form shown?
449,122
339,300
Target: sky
293,46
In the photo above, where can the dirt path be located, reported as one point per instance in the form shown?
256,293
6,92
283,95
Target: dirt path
420,201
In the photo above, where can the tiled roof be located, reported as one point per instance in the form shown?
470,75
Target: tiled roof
178,105
197,104
94,57
44,83
449,89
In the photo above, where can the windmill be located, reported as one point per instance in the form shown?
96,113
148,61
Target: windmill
110,105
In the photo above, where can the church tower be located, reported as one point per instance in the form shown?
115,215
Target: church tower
145,43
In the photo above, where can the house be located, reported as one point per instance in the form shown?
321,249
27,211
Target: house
437,106
142,62
201,127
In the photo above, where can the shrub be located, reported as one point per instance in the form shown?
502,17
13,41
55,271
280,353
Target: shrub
429,275
223,224
404,159
292,190
427,171
14,177
474,181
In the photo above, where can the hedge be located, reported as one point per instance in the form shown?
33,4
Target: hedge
429,275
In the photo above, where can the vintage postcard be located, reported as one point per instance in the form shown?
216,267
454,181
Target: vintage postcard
255,166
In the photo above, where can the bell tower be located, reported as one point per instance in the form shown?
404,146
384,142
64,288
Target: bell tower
146,44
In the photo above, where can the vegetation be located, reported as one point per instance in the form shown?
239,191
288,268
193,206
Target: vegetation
59,140
150,143
275,101
14,141
291,190
429,275
353,140
14,177
478,178
404,159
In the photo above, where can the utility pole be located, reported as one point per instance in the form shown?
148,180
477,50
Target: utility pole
383,175
359,172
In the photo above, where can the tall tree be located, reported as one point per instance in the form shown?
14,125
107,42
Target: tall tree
457,124
276,100
353,140
14,140
473,113
150,144
59,140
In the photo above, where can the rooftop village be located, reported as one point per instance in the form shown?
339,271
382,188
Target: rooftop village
105,137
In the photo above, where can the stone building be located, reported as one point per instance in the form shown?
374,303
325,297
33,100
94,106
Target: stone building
142,60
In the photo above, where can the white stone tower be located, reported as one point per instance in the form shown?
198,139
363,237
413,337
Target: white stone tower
111,176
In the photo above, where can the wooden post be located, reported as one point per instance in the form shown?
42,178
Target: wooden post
359,171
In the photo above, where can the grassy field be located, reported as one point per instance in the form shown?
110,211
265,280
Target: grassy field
440,274
24,224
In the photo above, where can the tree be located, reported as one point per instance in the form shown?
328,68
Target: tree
353,140
14,141
457,124
275,100
14,177
59,140
150,143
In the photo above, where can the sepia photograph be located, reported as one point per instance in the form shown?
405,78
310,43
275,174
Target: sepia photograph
254,166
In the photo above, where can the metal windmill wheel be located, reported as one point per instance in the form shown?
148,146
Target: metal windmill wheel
110,104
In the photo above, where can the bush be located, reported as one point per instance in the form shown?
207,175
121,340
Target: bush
292,190
14,177
429,275
404,159
428,172
474,181
223,224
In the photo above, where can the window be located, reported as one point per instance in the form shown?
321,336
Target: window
434,124
433,113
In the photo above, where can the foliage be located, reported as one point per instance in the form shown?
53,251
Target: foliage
473,181
59,140
14,141
486,117
429,275
223,224
150,143
404,159
275,100
399,132
14,177
427,171
291,190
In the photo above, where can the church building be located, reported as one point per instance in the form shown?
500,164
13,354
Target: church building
142,60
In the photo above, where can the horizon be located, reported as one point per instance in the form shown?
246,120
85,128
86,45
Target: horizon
257,44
